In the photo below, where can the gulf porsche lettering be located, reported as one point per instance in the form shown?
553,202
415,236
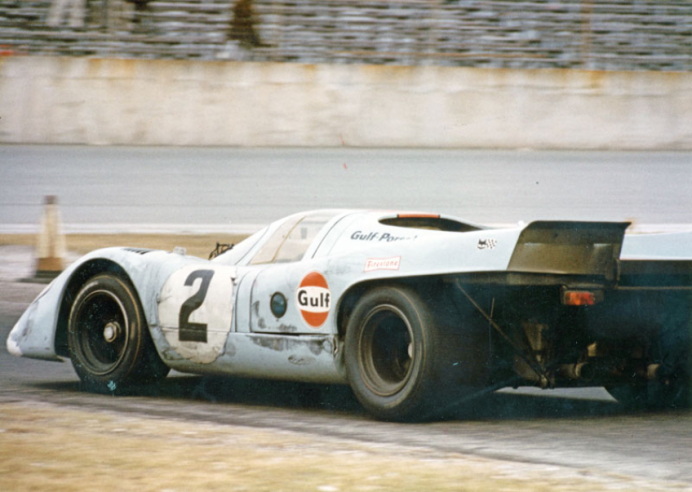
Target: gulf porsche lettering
364,236
379,237
314,299
373,264
196,310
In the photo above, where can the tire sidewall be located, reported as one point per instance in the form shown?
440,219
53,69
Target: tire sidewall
124,370
410,401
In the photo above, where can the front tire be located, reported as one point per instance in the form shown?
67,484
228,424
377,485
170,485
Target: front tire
108,337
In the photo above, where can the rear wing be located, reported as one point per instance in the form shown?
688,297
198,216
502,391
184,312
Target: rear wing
569,248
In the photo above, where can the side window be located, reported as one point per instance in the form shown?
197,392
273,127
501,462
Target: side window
267,253
298,241
291,240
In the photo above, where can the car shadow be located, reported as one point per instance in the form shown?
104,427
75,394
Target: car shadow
497,406
506,406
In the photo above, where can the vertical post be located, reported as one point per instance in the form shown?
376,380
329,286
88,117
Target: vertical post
50,244
586,33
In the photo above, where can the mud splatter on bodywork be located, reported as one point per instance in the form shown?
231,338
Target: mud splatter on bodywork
281,344
301,361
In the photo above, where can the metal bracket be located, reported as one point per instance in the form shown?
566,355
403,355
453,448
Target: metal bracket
544,380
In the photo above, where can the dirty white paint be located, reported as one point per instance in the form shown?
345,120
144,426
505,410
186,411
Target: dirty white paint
164,102
13,347
212,313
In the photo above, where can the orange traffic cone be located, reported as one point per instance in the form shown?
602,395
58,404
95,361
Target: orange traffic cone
50,244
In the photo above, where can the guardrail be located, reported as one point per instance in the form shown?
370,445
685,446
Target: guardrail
586,34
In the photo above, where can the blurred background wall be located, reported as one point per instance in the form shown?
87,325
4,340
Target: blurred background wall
165,102
609,74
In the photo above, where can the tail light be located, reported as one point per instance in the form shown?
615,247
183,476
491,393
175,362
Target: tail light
572,297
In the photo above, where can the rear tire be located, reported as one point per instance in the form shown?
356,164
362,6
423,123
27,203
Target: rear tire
671,348
108,337
654,395
403,360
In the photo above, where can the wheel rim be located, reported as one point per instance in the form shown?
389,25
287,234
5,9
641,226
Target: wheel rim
101,331
386,354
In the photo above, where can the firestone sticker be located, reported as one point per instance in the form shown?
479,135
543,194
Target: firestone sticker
314,299
373,264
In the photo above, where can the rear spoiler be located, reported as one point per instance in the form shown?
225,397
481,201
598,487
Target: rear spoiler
570,248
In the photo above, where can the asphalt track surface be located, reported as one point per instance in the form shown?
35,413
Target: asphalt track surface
190,188
582,430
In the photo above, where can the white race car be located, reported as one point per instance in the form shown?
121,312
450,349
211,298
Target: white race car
416,312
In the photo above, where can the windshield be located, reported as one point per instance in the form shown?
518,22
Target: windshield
238,252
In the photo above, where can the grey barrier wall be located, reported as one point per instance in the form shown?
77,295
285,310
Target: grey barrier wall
167,102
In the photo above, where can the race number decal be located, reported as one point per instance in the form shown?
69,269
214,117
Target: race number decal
194,332
196,311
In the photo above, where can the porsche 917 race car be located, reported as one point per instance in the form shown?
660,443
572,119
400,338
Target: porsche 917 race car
416,312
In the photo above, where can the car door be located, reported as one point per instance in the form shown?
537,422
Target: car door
291,299
289,295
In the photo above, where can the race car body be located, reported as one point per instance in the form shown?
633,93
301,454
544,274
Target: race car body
414,311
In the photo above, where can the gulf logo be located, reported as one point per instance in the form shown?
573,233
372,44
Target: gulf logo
314,299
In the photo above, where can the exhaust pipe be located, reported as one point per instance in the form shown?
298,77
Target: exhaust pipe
579,370
588,372
583,371
652,371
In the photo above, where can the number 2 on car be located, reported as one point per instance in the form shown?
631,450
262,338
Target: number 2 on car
196,311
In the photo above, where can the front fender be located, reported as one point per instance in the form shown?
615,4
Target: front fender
35,333
29,336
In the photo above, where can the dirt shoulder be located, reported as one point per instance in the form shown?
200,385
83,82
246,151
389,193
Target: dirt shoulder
197,245
48,447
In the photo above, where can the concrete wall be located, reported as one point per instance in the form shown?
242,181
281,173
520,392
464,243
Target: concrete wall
142,102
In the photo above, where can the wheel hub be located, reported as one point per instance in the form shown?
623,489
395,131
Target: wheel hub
387,350
112,331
